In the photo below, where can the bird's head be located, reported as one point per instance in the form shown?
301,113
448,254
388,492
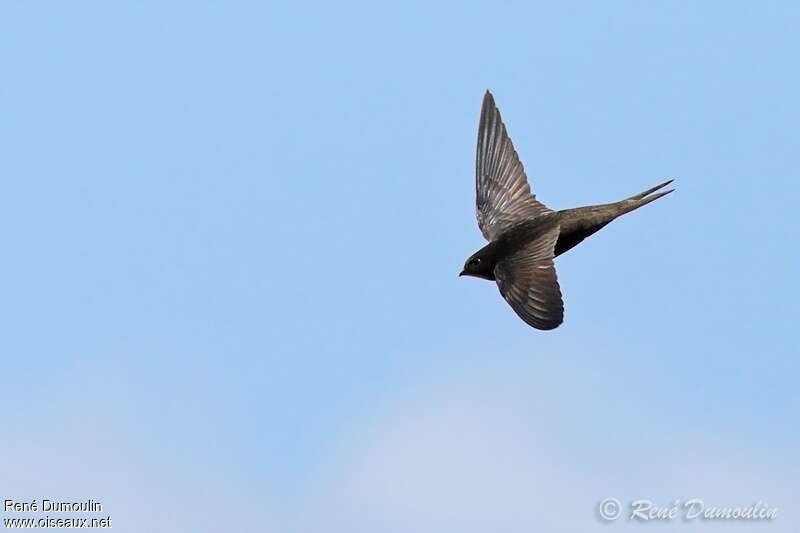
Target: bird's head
479,267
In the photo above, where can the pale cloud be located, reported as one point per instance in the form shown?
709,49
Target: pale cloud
526,447
104,439
512,445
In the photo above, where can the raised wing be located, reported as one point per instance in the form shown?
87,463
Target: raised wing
528,282
503,196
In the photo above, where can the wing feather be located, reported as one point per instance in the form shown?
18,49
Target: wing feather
528,282
503,195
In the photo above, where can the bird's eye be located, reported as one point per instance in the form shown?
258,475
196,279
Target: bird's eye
475,261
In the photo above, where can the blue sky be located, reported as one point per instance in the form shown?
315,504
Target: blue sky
232,235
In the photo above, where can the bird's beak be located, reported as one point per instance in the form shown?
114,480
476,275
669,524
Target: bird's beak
463,273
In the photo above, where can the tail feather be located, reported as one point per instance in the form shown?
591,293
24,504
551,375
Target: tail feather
643,198
651,190
647,199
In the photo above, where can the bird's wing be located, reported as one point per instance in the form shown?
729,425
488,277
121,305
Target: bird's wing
528,282
502,194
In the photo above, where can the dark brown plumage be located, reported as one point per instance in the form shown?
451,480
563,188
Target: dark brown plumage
524,235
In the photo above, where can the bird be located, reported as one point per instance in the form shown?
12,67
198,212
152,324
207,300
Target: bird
524,234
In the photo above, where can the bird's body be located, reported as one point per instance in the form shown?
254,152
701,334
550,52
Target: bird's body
524,235
574,225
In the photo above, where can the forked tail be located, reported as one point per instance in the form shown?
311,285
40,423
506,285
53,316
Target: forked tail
643,198
577,224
